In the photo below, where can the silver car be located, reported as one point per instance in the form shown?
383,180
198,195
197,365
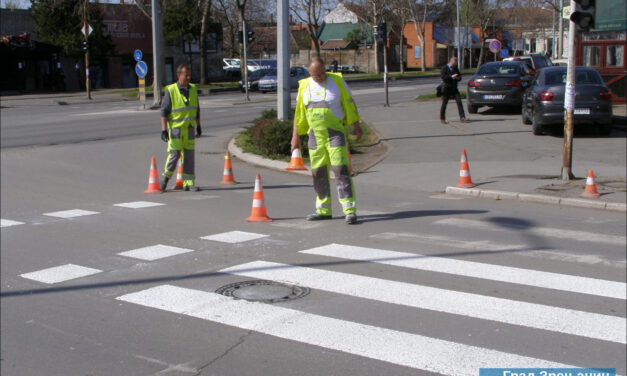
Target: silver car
269,81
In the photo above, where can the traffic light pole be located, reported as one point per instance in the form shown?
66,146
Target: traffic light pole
385,71
86,34
283,60
569,103
244,64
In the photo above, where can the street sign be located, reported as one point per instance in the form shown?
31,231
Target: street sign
495,46
141,69
87,29
138,55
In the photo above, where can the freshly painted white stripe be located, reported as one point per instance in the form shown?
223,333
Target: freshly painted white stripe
562,320
155,252
9,223
71,213
392,346
138,204
542,231
234,237
60,273
499,273
476,245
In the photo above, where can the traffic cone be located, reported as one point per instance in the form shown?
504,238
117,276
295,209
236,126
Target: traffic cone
258,213
296,163
350,165
179,177
464,173
227,177
153,178
591,186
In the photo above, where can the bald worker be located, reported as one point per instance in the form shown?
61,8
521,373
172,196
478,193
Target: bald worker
324,108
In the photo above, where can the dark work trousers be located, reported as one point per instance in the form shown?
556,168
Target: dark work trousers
458,99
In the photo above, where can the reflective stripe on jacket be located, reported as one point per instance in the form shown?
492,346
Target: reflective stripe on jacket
184,110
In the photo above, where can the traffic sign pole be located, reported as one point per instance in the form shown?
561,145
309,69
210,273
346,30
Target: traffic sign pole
141,69
142,92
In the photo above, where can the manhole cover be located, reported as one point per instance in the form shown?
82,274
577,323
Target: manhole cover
263,291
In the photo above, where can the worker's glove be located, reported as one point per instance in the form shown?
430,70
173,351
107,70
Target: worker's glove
164,136
198,131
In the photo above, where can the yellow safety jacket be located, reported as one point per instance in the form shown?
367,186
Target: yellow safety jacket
348,104
184,110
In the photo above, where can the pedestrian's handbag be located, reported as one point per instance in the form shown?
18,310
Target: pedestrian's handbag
439,89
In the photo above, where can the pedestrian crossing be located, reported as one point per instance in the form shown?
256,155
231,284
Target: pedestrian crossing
441,352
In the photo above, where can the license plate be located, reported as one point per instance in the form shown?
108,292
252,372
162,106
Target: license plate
582,111
499,97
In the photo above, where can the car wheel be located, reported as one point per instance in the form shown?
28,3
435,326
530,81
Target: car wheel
472,109
525,118
536,127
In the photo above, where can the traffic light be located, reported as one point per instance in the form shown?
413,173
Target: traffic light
85,46
381,32
250,37
583,16
240,37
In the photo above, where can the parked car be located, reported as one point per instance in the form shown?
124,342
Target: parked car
543,102
269,82
496,84
254,77
534,61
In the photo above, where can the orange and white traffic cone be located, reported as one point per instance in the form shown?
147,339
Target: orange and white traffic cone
258,213
591,186
296,162
227,177
350,165
179,177
153,178
464,173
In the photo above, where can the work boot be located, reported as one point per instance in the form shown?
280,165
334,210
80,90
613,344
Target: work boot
164,183
463,120
317,217
443,121
192,188
351,219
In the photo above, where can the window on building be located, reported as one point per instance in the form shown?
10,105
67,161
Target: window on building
532,45
591,56
614,54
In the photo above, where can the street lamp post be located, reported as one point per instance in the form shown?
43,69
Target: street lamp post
553,40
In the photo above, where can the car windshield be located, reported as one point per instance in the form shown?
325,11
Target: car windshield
499,69
581,77
540,61
258,73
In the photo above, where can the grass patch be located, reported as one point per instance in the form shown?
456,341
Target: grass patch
432,96
394,75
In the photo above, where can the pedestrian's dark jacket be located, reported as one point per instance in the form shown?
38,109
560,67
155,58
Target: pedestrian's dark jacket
450,83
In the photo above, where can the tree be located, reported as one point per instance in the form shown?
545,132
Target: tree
418,14
483,13
59,23
310,12
181,23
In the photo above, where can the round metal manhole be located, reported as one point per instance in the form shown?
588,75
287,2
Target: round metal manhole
263,291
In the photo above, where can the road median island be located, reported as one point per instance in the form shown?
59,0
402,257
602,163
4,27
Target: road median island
266,143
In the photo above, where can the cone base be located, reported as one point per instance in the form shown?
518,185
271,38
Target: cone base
177,188
228,182
258,219
153,190
467,185
586,194
296,168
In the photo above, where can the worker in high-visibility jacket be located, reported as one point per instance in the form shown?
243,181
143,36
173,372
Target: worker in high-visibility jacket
180,114
324,108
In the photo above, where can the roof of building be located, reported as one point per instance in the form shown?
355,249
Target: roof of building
340,30
335,44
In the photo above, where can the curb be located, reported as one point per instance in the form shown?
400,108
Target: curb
261,162
541,199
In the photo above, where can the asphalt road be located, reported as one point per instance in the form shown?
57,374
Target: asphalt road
424,284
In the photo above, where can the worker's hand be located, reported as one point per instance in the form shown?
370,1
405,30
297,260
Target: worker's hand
198,130
164,136
357,131
295,142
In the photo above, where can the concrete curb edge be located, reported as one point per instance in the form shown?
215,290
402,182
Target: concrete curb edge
541,199
256,160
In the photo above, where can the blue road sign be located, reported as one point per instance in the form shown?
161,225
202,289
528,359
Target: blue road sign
495,46
141,69
504,53
138,55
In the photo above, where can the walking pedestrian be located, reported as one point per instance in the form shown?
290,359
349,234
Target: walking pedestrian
324,108
180,114
450,77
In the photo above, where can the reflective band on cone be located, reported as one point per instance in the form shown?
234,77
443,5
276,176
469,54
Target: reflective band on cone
227,175
296,162
591,186
464,173
258,213
153,178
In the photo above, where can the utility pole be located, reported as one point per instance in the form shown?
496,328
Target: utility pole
283,60
86,33
156,54
244,63
459,39
569,103
560,53
553,49
385,71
